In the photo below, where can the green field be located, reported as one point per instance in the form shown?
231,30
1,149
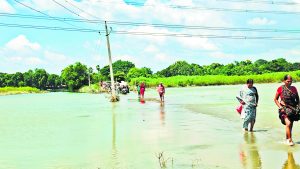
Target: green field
183,81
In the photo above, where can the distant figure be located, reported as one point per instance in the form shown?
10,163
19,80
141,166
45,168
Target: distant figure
142,89
249,99
161,92
138,89
288,106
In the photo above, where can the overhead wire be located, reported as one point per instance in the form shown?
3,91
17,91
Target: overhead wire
27,6
150,33
82,10
50,28
261,2
203,8
171,26
66,8
146,24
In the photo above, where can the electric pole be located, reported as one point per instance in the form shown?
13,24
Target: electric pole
113,91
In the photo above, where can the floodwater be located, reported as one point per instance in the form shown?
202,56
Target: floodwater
196,127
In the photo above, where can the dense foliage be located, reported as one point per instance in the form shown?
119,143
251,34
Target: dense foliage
77,75
237,68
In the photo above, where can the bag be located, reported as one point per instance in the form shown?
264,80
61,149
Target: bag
239,108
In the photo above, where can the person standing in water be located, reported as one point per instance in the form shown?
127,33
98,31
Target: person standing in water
142,89
288,107
249,99
138,90
161,92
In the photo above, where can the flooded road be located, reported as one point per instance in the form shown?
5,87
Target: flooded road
196,127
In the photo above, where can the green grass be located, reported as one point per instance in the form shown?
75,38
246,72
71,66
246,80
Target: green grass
18,90
94,88
182,81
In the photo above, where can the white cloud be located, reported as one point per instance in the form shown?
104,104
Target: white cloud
55,57
92,45
162,57
6,7
24,60
222,55
98,58
150,29
33,61
151,49
261,21
14,59
22,43
197,43
294,52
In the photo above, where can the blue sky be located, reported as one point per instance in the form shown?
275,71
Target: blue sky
22,49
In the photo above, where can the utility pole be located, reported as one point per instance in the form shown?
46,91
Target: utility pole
113,91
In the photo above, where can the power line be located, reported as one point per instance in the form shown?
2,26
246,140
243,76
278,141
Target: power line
82,10
124,23
207,36
43,13
205,8
262,2
69,10
205,27
151,33
50,28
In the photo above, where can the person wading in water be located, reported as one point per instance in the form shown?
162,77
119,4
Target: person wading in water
288,106
249,99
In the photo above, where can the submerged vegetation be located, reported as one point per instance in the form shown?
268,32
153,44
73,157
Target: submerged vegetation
76,76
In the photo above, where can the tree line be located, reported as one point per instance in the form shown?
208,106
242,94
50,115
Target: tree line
77,75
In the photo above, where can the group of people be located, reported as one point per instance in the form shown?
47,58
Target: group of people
286,98
142,88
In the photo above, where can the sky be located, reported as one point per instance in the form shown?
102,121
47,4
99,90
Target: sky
22,49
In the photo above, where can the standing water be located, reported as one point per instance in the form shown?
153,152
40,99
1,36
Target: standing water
196,127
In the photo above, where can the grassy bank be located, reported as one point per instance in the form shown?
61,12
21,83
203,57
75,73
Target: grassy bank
18,90
94,88
183,81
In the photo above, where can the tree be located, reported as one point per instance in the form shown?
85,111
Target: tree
75,76
96,78
278,65
118,66
98,68
39,79
120,76
178,68
90,71
260,62
28,78
136,72
53,81
296,66
2,79
17,79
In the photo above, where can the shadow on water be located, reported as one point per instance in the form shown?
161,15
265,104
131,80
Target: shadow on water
290,163
249,155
